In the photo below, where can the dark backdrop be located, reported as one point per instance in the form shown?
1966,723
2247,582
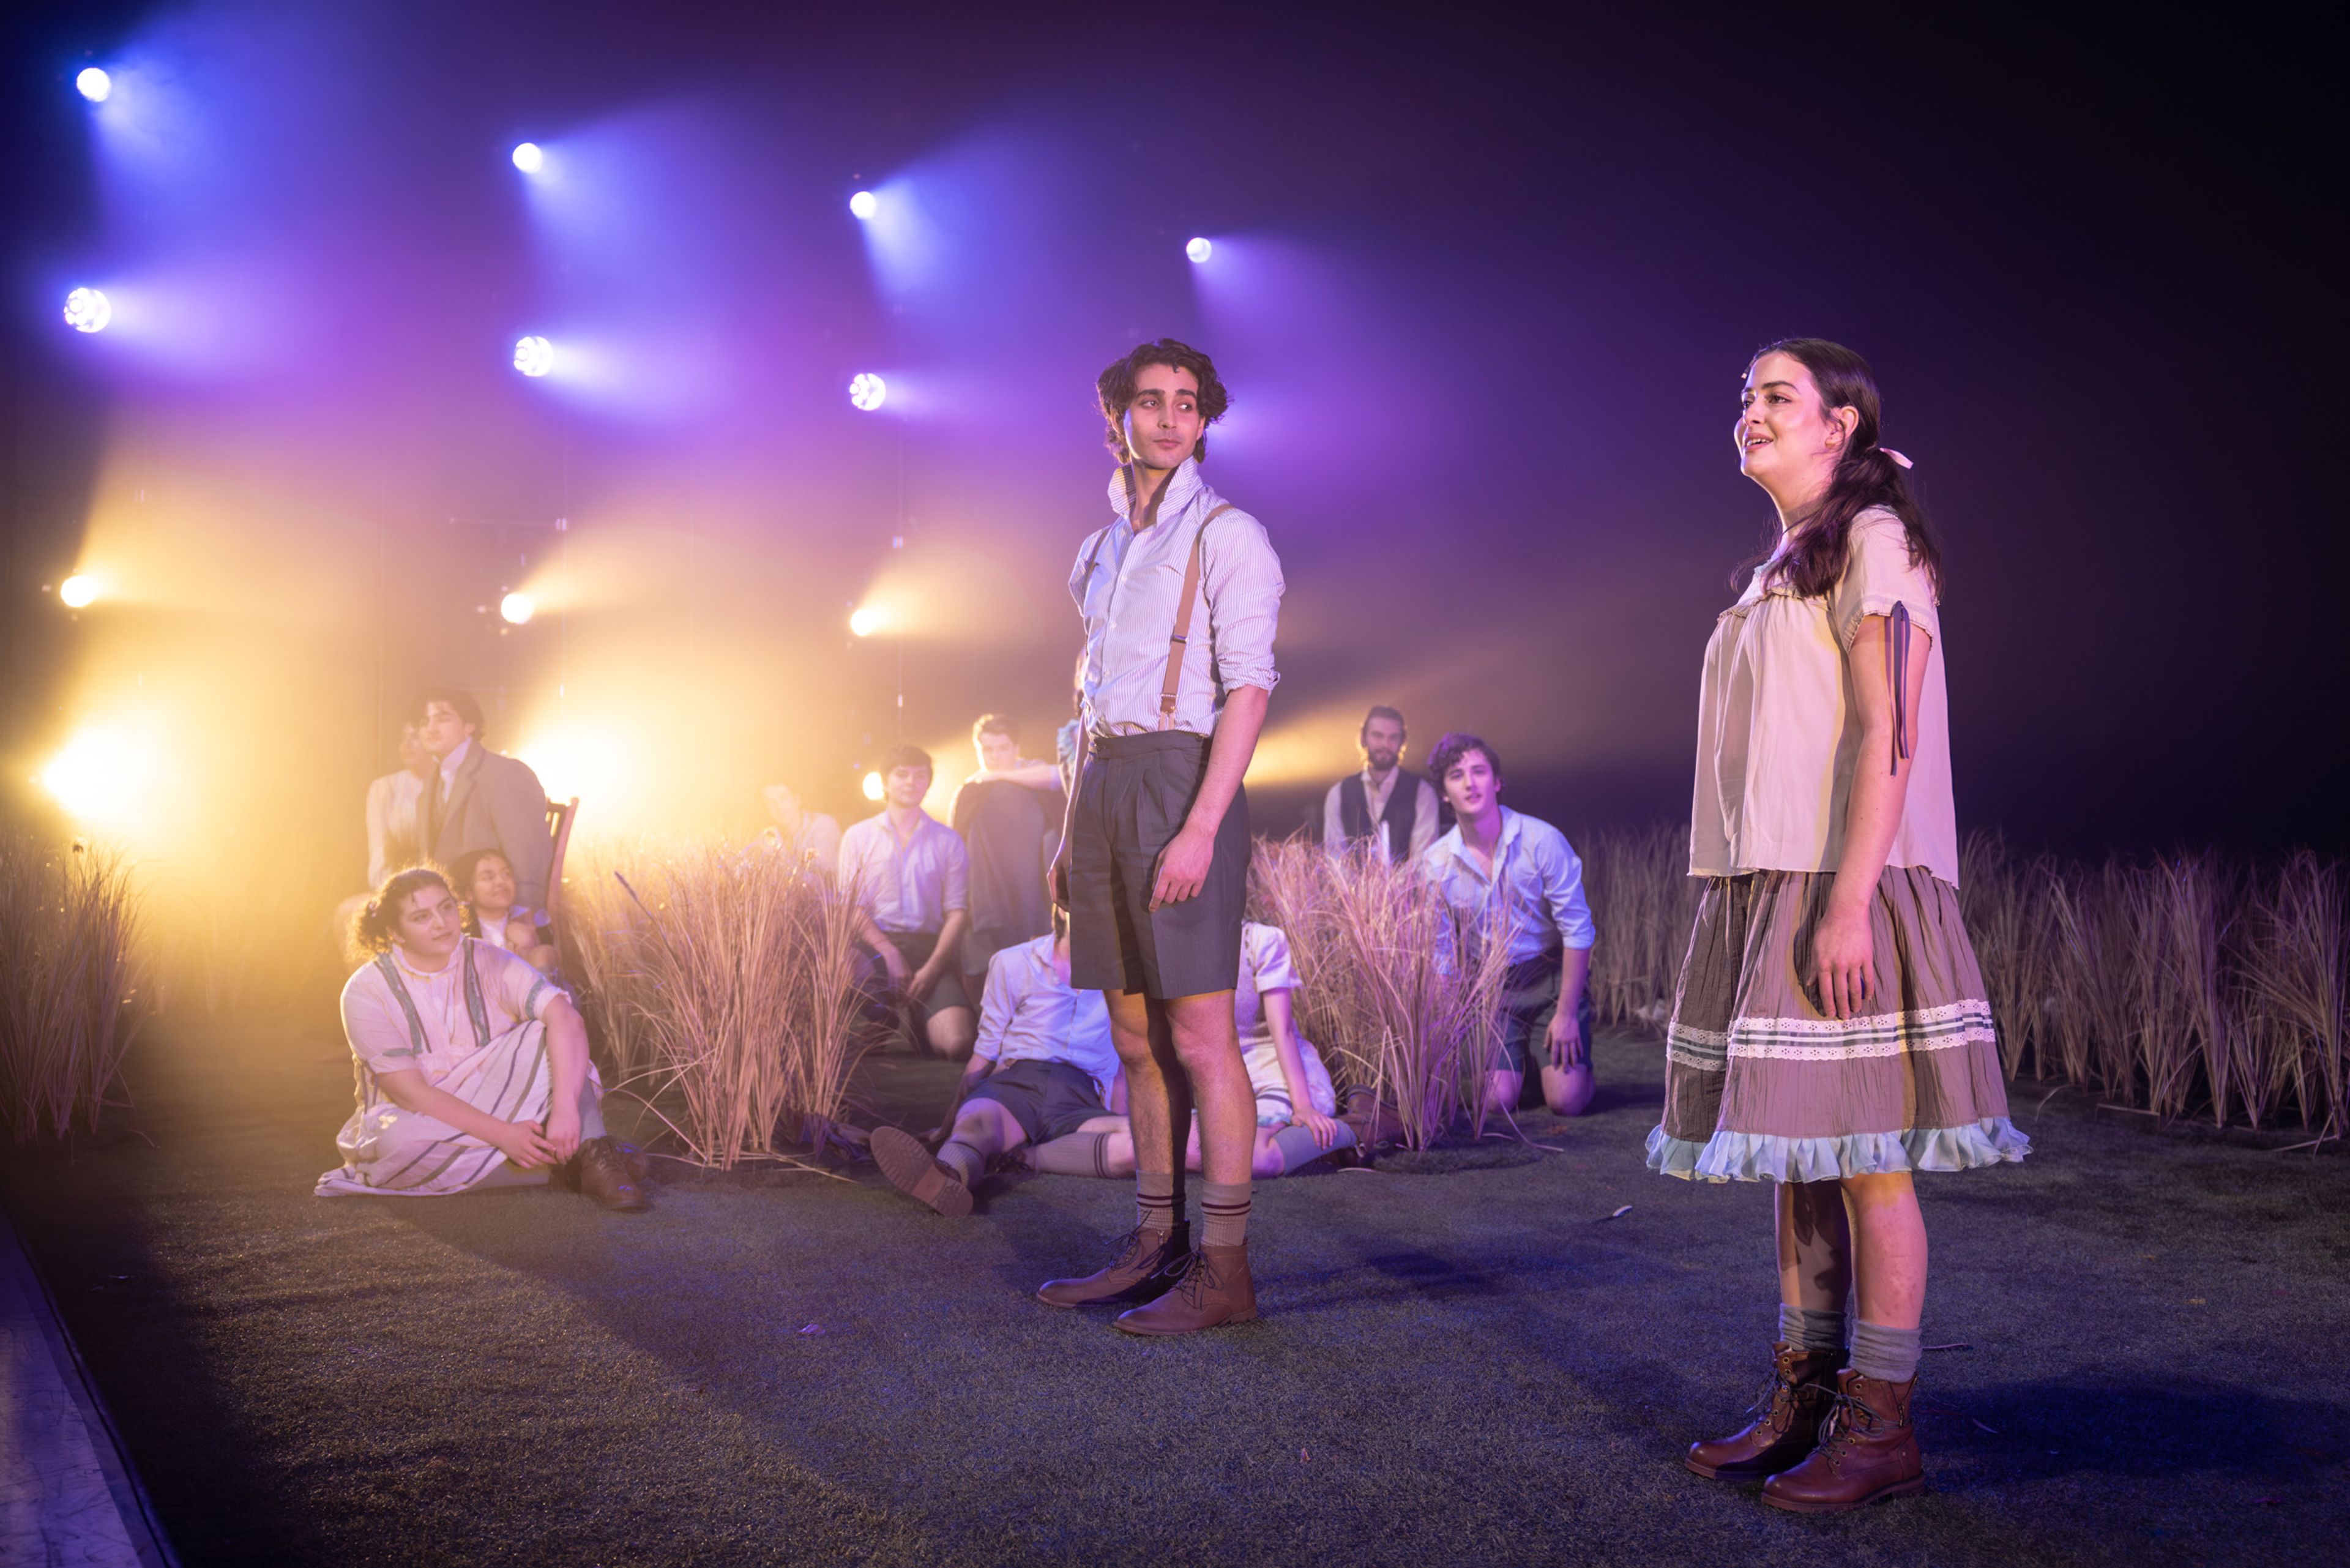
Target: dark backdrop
1484,288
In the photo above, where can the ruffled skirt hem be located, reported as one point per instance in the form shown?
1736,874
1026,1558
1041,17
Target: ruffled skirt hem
1760,1157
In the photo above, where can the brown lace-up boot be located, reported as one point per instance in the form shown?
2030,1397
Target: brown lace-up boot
603,1174
1869,1450
1373,1124
1144,1267
1216,1289
1787,1415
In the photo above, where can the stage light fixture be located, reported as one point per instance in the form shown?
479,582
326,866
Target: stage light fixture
869,391
528,158
94,85
867,620
1199,250
534,356
864,205
79,591
872,787
517,609
88,310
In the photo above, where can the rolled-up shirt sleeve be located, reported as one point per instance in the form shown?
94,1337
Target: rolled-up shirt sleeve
956,894
1562,886
1242,577
998,1002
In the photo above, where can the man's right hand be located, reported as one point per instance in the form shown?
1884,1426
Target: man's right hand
894,962
1056,877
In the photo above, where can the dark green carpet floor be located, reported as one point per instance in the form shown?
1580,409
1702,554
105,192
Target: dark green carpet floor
1478,1368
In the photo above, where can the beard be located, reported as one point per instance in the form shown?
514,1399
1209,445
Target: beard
1381,762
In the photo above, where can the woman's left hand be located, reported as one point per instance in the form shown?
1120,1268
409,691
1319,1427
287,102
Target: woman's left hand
1841,950
562,1131
1324,1128
521,936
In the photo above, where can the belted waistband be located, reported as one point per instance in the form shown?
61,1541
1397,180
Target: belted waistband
1143,745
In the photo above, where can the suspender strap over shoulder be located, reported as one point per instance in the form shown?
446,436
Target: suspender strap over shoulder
1176,643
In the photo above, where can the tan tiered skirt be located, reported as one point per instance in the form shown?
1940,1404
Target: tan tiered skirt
1760,1085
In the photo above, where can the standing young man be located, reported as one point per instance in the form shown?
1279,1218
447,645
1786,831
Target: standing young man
477,798
1179,597
1368,807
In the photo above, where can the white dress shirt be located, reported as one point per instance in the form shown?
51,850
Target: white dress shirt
909,887
395,824
1029,1014
1127,601
1536,888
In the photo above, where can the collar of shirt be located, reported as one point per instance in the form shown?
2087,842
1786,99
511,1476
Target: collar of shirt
1177,491
1375,795
452,763
1453,849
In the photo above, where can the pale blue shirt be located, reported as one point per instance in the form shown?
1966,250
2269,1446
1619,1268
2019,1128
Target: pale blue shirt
912,888
1127,595
1536,888
1030,1015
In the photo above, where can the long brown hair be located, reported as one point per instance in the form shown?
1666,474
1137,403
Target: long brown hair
1814,555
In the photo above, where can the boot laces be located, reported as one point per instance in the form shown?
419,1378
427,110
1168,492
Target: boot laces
1848,1420
1199,1278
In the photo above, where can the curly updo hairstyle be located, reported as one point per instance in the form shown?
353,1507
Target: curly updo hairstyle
371,934
1814,554
1113,390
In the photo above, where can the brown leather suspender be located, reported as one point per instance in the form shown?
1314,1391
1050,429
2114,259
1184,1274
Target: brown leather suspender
1182,633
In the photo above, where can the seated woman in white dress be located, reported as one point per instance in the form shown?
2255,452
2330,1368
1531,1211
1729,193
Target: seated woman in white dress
473,1066
484,880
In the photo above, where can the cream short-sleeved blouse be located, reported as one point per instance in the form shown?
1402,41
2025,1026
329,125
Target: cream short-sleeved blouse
377,1027
1778,733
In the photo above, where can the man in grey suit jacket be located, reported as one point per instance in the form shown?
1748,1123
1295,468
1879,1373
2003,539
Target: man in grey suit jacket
479,799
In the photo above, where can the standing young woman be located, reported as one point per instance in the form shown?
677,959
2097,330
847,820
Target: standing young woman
1831,1033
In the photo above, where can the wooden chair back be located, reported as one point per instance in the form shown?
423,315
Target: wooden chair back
559,817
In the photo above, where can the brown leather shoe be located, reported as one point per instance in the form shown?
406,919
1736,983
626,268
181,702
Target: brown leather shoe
1144,1267
1787,1415
1373,1124
603,1174
906,1160
1215,1289
1868,1451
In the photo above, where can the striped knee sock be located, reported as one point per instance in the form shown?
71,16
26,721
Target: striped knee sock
1157,1202
966,1162
1078,1153
1225,1208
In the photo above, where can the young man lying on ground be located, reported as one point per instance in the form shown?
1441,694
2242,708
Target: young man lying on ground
1296,1119
1042,1068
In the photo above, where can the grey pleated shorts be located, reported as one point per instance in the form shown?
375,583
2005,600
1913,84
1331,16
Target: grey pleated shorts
1132,799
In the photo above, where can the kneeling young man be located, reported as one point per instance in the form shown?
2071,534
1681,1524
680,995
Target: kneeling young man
1498,865
1042,1068
1179,595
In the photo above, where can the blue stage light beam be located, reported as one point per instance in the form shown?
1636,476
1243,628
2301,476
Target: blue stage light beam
534,356
94,85
863,205
867,391
1200,250
88,310
529,157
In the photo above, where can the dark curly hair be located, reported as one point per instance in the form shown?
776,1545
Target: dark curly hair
1814,559
1113,390
1451,747
371,933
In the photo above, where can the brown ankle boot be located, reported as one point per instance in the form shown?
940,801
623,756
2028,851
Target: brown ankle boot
907,1163
1787,1415
1144,1267
1215,1289
1372,1123
603,1174
1869,1450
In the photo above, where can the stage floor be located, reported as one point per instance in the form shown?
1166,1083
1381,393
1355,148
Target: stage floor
1479,1367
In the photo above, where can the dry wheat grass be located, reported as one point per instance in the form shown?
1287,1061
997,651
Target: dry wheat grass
72,995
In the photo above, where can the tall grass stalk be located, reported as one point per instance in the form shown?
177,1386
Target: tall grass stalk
1382,997
722,987
71,992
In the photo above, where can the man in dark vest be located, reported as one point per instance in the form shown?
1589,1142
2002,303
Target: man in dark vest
1395,814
